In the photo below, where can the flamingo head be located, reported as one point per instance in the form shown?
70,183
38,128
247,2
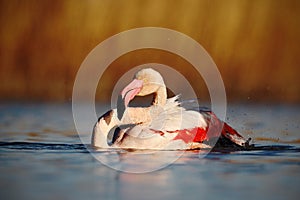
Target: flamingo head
146,81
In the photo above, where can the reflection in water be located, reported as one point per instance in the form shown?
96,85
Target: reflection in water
138,161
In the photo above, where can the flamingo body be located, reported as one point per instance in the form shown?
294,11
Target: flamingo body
163,125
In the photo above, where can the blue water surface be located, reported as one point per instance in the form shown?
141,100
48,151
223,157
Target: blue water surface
42,157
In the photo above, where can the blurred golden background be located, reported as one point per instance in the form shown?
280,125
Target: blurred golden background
255,44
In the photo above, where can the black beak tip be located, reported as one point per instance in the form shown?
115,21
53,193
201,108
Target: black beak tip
120,107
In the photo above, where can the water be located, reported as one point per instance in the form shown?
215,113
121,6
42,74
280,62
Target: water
42,157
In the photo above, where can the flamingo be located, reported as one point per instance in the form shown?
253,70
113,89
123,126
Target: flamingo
165,124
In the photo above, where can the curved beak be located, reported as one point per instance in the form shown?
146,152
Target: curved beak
131,90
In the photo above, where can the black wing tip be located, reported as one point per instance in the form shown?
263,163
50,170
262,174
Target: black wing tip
107,116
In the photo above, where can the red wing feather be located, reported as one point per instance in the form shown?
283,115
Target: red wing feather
198,134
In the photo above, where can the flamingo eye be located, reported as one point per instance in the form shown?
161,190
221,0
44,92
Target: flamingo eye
145,80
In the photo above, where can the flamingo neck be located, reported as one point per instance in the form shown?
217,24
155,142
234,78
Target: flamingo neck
160,97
